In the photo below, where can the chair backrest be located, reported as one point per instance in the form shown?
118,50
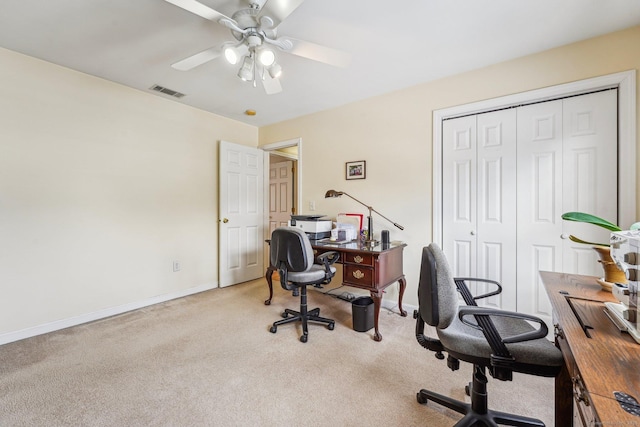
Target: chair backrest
291,249
437,294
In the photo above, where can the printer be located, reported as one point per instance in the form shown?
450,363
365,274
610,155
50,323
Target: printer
625,251
314,226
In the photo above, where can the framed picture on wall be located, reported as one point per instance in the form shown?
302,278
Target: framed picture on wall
356,170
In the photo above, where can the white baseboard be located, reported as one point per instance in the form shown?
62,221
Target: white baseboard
100,314
391,304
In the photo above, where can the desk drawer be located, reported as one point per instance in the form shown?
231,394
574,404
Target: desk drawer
584,412
360,276
360,259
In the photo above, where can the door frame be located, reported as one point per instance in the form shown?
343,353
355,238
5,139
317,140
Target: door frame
625,82
268,148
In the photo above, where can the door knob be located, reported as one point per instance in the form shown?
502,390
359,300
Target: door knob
473,233
564,236
225,220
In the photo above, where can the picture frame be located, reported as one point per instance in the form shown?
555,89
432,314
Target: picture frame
356,170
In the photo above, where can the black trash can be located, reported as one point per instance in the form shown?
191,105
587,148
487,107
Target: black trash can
362,313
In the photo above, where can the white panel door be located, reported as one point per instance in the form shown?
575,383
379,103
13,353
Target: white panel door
540,202
241,187
479,205
567,161
280,194
459,207
590,174
496,219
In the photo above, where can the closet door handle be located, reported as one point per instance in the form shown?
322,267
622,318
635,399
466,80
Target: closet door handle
564,236
473,232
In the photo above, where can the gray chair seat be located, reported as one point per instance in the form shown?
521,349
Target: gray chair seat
316,273
463,339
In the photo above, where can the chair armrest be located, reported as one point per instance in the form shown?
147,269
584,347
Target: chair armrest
425,341
327,259
475,279
541,332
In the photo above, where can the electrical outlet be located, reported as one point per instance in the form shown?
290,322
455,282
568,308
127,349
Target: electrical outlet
176,266
312,205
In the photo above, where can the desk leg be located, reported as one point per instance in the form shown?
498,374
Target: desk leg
403,285
267,276
377,302
563,398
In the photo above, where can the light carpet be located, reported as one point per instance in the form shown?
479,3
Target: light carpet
210,360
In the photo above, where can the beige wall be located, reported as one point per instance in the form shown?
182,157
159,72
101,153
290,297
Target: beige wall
101,188
393,133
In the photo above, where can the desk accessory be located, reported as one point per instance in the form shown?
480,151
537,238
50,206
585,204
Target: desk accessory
625,251
370,240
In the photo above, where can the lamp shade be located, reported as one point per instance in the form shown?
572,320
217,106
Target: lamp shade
333,193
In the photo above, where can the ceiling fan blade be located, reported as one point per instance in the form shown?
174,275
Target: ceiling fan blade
271,85
198,59
278,10
317,52
199,9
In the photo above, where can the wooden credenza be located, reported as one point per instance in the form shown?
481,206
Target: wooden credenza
599,359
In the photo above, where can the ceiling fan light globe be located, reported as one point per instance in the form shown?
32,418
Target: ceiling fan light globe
275,70
246,70
231,55
267,57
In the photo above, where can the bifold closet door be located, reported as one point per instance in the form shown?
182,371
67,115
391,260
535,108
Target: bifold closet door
567,161
479,201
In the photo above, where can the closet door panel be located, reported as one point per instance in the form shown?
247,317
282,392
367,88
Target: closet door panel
539,163
459,183
496,227
590,174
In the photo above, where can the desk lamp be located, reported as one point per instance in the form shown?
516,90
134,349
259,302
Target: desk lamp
370,241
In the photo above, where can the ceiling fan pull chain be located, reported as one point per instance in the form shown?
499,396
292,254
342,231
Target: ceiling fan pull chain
254,70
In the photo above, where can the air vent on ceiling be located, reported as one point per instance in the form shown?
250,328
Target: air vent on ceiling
166,91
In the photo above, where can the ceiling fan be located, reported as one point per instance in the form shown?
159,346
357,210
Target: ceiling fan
254,29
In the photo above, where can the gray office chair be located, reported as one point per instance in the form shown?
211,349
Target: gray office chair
499,341
292,255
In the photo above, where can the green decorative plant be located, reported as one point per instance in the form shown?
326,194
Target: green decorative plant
592,219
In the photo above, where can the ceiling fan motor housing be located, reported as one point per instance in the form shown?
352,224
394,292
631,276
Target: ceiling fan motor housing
250,19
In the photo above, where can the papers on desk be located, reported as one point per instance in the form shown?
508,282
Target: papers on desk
349,225
328,241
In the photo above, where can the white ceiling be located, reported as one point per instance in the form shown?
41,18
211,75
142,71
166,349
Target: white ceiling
393,44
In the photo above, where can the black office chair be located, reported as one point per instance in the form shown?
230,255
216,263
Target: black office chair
499,341
291,254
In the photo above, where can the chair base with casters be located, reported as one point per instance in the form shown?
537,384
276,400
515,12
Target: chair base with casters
477,413
304,316
292,256
494,341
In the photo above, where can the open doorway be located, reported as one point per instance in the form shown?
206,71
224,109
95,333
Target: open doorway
283,164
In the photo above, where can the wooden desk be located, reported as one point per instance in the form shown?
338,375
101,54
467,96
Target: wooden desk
599,359
366,268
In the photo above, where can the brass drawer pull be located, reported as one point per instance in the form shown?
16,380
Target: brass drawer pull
358,259
557,331
358,274
579,391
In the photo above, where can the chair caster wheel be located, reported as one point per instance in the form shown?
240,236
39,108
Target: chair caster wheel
421,398
303,338
330,326
284,315
467,389
273,329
